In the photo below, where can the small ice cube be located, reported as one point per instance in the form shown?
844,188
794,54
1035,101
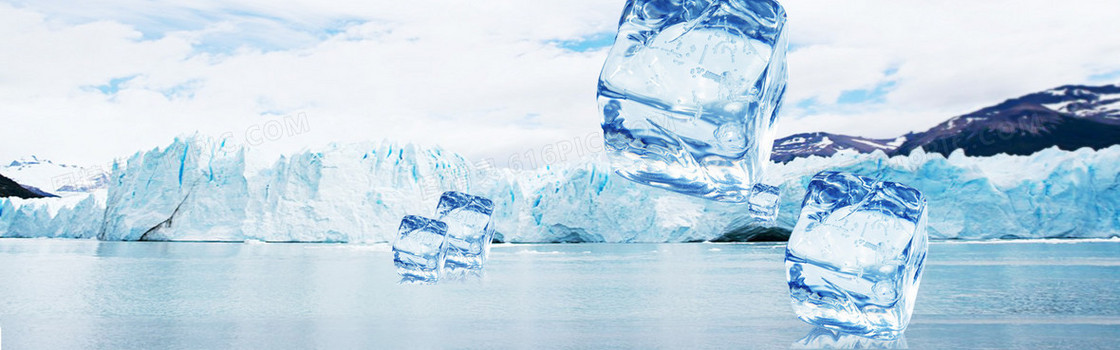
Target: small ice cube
764,203
854,260
419,249
468,233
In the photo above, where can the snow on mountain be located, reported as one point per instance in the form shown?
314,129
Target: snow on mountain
1100,103
61,179
194,190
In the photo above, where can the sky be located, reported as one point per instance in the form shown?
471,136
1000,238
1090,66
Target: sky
87,82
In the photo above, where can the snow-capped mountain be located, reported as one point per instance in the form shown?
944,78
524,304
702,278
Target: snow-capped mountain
1067,117
56,178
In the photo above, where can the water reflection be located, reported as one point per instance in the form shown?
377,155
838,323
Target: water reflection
468,277
823,338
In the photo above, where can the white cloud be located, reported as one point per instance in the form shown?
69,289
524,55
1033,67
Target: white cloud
460,74
952,57
483,78
823,72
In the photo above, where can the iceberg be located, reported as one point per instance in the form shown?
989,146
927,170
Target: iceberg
199,190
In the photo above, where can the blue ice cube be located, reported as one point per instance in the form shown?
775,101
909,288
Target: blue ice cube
468,231
419,250
855,257
764,203
690,94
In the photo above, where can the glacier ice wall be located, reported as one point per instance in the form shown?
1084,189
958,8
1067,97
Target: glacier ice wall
78,216
199,190
194,190
1050,194
588,203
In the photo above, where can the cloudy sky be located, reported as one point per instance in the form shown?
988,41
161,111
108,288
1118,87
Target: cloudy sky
84,83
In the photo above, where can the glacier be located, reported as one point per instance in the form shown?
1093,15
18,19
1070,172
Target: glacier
198,190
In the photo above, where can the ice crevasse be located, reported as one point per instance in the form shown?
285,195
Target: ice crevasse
199,190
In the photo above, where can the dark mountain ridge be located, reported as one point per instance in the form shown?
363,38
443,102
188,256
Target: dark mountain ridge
1069,117
9,188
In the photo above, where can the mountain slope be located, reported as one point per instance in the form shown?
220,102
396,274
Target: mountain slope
1068,117
9,188
1097,103
66,179
1017,129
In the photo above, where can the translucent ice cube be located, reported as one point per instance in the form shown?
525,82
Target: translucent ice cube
690,94
764,203
854,260
468,233
419,249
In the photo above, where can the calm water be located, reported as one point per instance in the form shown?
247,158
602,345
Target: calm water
65,294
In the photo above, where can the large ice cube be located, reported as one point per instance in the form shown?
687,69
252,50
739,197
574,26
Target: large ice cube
855,257
690,94
468,231
419,249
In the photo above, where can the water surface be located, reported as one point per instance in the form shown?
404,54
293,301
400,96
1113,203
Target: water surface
77,294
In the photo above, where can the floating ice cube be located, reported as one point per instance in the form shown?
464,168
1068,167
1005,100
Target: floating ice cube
419,250
764,203
690,94
855,257
468,231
